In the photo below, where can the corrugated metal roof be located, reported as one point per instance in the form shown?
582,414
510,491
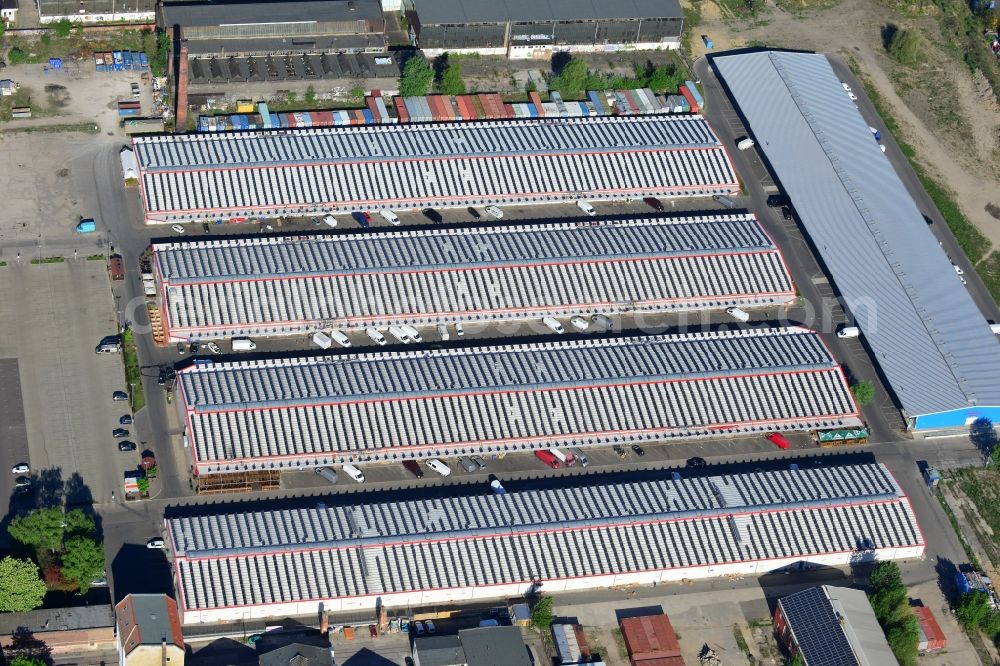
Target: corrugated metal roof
299,567
526,511
226,288
457,12
237,13
447,164
290,412
927,334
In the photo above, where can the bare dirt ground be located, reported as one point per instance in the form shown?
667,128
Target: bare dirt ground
946,114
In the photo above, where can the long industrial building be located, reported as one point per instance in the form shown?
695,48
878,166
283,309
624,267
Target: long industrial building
292,285
343,169
302,412
932,342
289,562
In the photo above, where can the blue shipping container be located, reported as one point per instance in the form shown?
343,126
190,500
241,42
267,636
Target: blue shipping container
307,119
143,60
596,100
693,89
127,59
129,112
369,118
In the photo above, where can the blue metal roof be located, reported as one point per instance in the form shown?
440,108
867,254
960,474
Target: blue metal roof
928,336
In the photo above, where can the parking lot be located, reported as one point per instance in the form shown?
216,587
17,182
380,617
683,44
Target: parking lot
53,316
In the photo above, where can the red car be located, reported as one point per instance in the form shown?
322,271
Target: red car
547,458
779,440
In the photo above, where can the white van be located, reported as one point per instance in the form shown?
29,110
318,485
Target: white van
340,338
565,458
243,344
745,144
739,314
376,337
443,332
389,217
439,467
400,334
579,323
849,332
586,207
412,332
327,473
995,329
553,324
322,340
353,472
602,321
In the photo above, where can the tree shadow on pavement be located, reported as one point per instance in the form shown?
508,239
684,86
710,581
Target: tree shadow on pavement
984,436
946,571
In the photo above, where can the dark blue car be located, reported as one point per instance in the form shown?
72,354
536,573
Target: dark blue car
362,218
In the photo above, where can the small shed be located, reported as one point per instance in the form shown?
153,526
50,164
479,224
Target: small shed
8,87
650,639
521,615
130,167
116,266
130,483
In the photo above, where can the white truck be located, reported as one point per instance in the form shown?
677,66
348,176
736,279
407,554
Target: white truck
243,344
745,144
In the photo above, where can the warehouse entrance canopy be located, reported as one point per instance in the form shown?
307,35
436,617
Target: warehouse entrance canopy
926,333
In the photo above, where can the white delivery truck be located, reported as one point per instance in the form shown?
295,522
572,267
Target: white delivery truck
739,314
243,344
322,340
353,472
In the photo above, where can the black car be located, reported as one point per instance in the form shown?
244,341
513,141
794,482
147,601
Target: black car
786,212
204,227
119,396
362,218
620,450
194,347
166,374
433,215
776,200
653,203
413,468
111,340
474,213
126,419
126,445
638,450
118,433
696,463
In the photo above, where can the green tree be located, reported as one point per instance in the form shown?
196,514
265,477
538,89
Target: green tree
886,592
417,77
905,46
21,589
863,391
310,95
973,608
79,523
571,81
43,528
797,660
451,82
83,562
22,660
541,614
143,485
357,92
902,639
62,28
16,56
158,57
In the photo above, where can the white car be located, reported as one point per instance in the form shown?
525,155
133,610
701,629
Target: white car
498,487
849,332
178,228
737,313
957,269
846,87
443,332
495,212
439,467
389,217
20,469
459,329
579,323
376,337
156,543
852,96
214,348
330,220
553,324
882,146
586,207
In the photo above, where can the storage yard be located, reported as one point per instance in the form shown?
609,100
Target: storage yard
299,284
298,413
421,552
345,169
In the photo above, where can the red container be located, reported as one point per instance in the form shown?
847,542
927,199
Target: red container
508,110
497,102
633,107
464,109
358,117
934,637
487,102
291,119
373,107
536,99
477,106
401,112
689,97
548,459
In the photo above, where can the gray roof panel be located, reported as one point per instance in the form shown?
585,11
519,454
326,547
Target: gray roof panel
455,12
926,332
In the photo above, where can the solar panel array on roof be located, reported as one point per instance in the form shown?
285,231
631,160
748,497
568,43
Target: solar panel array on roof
368,570
227,288
818,631
455,164
926,333
242,533
288,413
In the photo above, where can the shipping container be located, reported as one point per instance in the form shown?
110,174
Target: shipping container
634,105
143,61
307,120
692,104
465,109
487,102
426,113
127,60
128,112
372,107
401,112
20,112
654,100
536,101
440,107
383,111
145,126
693,89
477,107
595,99
930,636
244,106
369,116
644,100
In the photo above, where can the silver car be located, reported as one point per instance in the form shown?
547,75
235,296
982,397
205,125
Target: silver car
581,457
467,464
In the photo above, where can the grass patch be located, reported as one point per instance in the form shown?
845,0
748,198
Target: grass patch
133,376
973,560
973,243
95,257
741,642
982,487
85,128
989,271
620,643
47,260
692,17
2,264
